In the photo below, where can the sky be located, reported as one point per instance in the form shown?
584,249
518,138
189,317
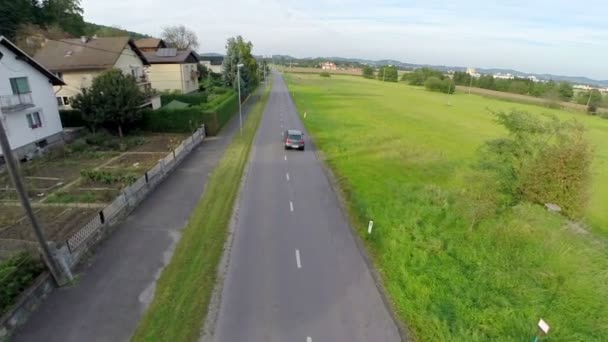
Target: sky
558,37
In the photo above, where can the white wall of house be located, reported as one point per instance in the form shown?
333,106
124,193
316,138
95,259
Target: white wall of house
43,98
170,77
130,63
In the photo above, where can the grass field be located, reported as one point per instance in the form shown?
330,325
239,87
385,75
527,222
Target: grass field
184,288
402,156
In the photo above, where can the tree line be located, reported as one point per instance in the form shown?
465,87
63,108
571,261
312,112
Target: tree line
431,79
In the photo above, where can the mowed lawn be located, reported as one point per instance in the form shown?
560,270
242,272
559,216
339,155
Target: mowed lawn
402,156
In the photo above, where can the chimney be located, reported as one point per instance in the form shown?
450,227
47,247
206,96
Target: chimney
83,39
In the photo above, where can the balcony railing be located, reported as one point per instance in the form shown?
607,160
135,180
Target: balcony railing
17,102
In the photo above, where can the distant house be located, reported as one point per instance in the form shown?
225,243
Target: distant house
150,44
213,62
173,70
28,109
328,66
78,61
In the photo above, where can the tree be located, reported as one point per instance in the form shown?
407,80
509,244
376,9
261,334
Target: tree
180,37
368,72
434,83
113,98
13,14
565,91
592,99
388,74
238,51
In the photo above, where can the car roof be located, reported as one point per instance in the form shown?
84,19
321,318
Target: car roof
293,131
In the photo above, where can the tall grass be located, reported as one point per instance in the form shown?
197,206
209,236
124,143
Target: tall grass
403,157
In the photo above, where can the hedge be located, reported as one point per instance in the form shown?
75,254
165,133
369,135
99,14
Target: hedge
173,121
190,98
225,110
17,273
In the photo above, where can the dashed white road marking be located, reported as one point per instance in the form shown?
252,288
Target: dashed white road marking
290,205
287,176
285,158
298,258
308,339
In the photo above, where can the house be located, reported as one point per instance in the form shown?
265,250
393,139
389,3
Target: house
150,44
213,62
78,61
28,109
173,70
329,66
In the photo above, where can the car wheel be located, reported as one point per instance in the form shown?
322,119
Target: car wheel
302,148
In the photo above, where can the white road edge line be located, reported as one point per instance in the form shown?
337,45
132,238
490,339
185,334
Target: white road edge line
287,176
290,205
298,258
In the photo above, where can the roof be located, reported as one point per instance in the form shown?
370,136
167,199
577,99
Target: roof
29,60
171,56
175,104
150,43
96,53
214,58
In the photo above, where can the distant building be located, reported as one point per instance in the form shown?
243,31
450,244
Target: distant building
150,44
473,72
329,66
171,69
212,61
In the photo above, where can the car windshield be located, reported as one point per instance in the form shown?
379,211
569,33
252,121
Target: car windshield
294,137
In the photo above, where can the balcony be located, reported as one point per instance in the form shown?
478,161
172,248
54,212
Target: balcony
15,103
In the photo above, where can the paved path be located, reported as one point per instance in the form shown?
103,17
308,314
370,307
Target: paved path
295,272
117,284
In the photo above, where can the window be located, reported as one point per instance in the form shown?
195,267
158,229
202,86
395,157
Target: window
33,120
42,143
63,101
66,100
20,85
59,101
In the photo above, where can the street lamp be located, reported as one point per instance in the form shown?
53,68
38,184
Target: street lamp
238,81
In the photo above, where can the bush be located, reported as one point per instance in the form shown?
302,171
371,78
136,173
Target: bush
434,83
107,177
223,113
184,120
190,98
324,74
542,161
16,274
71,118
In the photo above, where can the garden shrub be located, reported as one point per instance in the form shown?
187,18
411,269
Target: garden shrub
108,177
324,74
71,118
17,273
195,98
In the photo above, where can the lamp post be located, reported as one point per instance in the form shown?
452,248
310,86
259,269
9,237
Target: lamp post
238,81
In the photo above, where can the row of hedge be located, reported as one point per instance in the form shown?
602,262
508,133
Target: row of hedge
190,98
17,273
214,115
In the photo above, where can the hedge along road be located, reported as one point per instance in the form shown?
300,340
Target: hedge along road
117,284
294,272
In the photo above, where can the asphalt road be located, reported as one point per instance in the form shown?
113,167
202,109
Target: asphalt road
295,272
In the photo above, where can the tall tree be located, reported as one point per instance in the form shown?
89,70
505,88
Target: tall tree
13,14
238,51
566,92
180,37
113,98
368,72
388,74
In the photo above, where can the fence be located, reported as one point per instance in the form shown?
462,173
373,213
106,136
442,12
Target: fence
92,232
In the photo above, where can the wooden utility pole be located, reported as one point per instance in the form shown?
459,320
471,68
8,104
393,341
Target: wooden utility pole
11,166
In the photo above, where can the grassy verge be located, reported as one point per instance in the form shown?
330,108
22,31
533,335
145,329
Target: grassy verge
184,288
402,157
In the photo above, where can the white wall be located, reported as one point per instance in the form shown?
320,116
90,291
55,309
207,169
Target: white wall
189,85
129,60
18,131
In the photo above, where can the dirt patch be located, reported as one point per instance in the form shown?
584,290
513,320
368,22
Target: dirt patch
156,142
59,223
136,161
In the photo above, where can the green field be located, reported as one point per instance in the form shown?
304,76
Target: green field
402,155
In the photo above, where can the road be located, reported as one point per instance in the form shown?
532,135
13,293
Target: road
116,285
295,272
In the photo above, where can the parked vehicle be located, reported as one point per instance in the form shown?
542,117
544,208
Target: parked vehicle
294,139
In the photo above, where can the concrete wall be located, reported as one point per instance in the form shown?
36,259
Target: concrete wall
170,77
20,135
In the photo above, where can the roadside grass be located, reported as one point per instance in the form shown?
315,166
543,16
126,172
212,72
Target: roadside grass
402,157
184,289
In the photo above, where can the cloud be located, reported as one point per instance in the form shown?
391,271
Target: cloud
560,37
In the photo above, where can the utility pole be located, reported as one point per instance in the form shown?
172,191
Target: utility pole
470,83
238,80
383,73
589,100
11,166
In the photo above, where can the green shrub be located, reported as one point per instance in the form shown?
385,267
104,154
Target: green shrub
184,120
445,85
223,112
542,161
71,118
190,98
16,274
78,145
324,74
108,177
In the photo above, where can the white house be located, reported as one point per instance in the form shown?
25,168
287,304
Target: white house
28,108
